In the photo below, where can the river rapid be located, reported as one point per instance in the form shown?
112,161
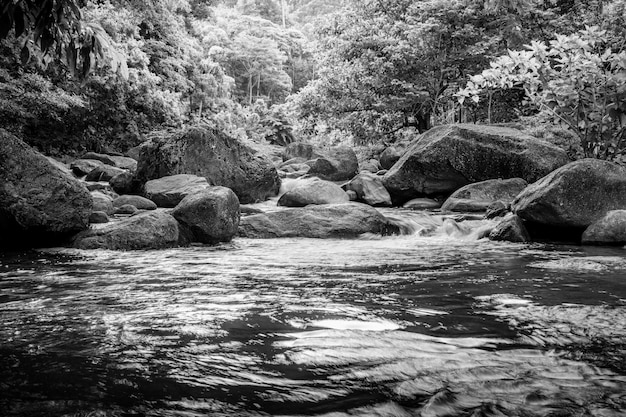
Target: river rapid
435,323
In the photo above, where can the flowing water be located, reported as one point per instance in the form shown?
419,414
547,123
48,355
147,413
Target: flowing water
435,323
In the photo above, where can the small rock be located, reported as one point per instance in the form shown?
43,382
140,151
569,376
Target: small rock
313,191
126,209
139,202
609,230
389,157
102,202
103,173
510,229
170,190
422,204
497,209
370,189
82,167
98,217
125,183
480,195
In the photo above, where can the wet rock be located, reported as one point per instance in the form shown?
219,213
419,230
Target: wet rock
510,229
389,157
39,203
148,230
126,209
313,191
117,161
170,190
370,165
210,215
98,217
103,173
480,195
102,202
82,167
125,183
574,196
422,204
317,221
209,153
608,230
333,164
497,209
370,189
139,202
448,157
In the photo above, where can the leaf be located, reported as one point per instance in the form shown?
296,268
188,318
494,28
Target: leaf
25,55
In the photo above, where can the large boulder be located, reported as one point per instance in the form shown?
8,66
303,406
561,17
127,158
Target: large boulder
171,190
313,191
318,221
148,230
209,153
574,196
480,195
39,203
609,230
448,157
210,215
333,164
369,189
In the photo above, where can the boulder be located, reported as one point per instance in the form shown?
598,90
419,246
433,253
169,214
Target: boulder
39,204
210,215
480,195
510,229
125,183
126,209
101,202
370,189
318,221
170,190
608,230
82,167
98,217
103,173
313,191
497,209
117,161
422,204
574,196
389,157
210,153
446,158
371,165
147,230
139,202
134,152
333,164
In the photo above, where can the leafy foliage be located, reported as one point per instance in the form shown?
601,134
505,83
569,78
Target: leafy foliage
575,79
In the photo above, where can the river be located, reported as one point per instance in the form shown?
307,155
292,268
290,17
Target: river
416,325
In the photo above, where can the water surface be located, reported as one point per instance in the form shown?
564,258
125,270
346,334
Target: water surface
394,326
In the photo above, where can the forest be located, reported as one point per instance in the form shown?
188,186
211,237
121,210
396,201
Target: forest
105,75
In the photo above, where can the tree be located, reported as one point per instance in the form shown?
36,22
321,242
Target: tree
575,80
56,28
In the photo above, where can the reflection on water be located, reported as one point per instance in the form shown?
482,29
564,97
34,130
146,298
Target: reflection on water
395,326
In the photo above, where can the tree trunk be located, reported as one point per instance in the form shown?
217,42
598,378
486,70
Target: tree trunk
250,89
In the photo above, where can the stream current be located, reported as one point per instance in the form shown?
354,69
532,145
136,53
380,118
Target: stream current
413,325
